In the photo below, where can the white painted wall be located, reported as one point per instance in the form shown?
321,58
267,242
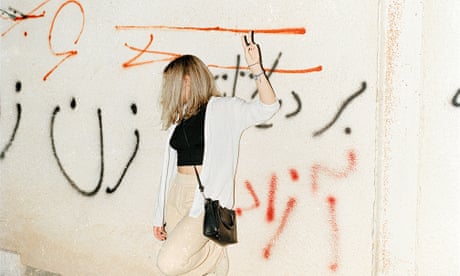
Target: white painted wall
356,202
438,218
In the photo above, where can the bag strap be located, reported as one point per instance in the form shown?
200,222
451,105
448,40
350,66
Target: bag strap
200,185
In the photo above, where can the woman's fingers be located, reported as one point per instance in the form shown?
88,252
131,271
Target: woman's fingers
159,233
244,41
248,40
250,37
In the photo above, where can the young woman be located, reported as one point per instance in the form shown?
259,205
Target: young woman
204,131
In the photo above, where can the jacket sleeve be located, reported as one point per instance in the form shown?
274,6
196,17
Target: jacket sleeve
168,171
250,113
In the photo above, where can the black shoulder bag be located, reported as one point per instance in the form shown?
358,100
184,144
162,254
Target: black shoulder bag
219,223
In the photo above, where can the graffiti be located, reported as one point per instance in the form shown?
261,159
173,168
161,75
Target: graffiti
101,153
131,62
64,55
168,56
56,156
299,105
239,73
289,207
235,79
331,201
335,232
248,185
296,31
171,55
270,215
12,13
316,169
133,155
26,16
270,212
146,55
337,174
341,109
18,88
15,15
456,99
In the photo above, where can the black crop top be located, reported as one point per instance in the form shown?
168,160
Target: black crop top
194,129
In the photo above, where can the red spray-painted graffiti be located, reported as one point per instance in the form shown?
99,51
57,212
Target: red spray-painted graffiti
335,232
271,199
316,169
292,201
239,211
289,206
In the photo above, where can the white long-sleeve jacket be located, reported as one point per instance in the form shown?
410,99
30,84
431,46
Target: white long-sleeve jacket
225,120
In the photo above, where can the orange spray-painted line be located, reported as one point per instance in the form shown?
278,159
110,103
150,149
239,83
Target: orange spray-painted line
284,31
66,54
282,71
131,62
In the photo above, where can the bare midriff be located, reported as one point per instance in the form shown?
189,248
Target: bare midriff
188,169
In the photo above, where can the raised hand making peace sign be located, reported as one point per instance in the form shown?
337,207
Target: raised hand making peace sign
253,57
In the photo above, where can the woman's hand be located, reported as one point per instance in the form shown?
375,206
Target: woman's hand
254,60
159,233
251,53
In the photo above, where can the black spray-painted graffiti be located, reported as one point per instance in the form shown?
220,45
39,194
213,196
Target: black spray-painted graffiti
456,99
12,14
74,185
341,109
239,73
16,126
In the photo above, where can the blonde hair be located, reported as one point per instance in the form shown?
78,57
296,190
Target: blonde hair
202,87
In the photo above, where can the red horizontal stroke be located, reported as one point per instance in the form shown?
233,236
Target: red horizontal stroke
281,31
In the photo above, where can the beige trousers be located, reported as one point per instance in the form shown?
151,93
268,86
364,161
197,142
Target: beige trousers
186,251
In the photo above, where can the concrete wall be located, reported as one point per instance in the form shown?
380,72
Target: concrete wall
356,175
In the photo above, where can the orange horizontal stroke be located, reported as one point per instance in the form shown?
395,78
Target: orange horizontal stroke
283,71
286,31
172,55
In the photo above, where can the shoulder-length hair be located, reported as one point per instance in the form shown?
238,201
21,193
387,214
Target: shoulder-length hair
202,87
